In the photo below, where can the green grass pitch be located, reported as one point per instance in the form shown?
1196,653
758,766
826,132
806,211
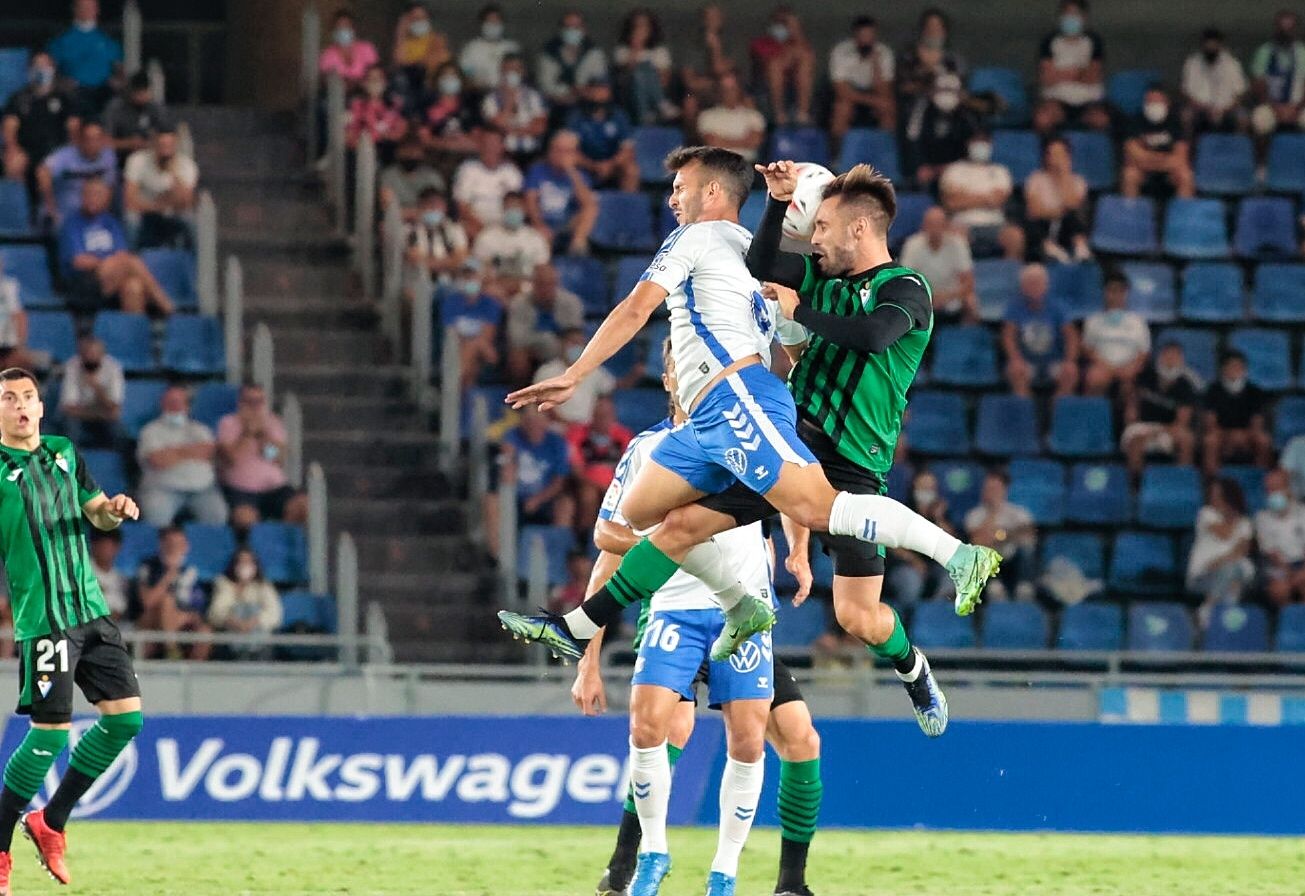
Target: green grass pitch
473,860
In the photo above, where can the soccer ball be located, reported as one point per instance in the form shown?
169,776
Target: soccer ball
800,219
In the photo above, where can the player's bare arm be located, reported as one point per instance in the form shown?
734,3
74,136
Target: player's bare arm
107,513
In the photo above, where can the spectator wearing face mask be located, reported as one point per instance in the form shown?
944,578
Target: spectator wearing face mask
482,57
517,110
927,57
1008,528
1235,411
862,70
1055,202
419,49
938,130
37,119
596,447
133,117
569,61
1116,343
784,62
245,603
482,183
87,55
537,316
606,136
251,445
447,120
90,399
345,55
1213,87
1280,538
911,577
560,200
1070,66
975,191
469,310
1161,410
510,248
377,112
159,193
1156,156
1278,79
171,598
436,244
579,408
176,456
405,179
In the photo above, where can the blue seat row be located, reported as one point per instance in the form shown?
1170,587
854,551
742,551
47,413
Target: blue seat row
28,264
281,548
192,344
1194,229
209,403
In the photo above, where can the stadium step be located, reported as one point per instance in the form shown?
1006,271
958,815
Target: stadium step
434,517
352,481
324,412
366,448
299,346
275,276
310,313
414,553
272,212
381,381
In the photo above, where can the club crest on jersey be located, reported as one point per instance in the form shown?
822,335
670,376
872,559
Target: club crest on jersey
43,685
13,477
747,658
61,462
737,460
865,294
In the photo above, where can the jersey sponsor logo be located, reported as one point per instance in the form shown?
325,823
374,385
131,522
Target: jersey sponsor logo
737,461
746,659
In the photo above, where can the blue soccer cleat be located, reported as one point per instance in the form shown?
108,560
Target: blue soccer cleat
927,699
720,884
649,873
546,628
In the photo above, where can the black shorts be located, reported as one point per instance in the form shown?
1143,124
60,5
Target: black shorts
786,686
270,504
92,656
853,558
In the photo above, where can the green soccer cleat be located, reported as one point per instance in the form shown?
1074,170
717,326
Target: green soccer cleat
749,617
970,568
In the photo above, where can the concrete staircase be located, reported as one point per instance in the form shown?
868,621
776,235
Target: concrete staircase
408,520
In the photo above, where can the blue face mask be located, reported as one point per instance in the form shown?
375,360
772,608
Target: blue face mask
175,418
85,27
779,32
471,287
344,36
450,85
432,217
1071,26
1276,501
573,36
513,218
1115,316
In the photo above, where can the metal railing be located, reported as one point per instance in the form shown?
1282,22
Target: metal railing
262,363
318,560
310,46
450,394
292,415
335,156
158,83
346,598
477,467
364,213
131,37
206,254
233,319
506,499
392,258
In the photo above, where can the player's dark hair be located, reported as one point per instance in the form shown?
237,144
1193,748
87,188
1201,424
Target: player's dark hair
731,170
868,191
14,374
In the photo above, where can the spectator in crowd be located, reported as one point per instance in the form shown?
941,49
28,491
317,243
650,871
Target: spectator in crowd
447,125
171,597
1007,528
1219,567
1048,119
1278,78
1116,343
405,179
251,445
61,176
975,191
536,317
481,59
943,257
517,110
87,55
481,183
1156,156
927,57
538,461
37,119
176,457
13,324
570,595
606,136
419,49
132,116
1161,410
1040,342
510,248
159,193
1293,461
734,122
1012,242
909,576
1055,203
862,69
1235,414
579,408
475,315
711,62
938,129
1280,537
1213,87
784,62
90,399
377,112
642,65
105,547
560,200
596,447
345,55
1070,66
94,257
435,243
568,62
245,603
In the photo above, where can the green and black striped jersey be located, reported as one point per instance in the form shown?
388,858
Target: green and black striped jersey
858,398
52,585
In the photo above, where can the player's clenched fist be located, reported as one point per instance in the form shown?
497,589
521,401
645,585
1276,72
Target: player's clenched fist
781,179
787,298
123,508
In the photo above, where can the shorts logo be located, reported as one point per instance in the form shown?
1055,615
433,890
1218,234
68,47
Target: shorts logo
737,461
747,658
760,472
749,438
43,685
763,682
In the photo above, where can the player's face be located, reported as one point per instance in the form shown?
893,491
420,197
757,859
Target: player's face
687,194
832,241
21,409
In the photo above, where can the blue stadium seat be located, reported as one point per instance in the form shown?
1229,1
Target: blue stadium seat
305,610
626,357
996,281
651,146
1082,427
1268,354
1151,290
107,469
934,624
1125,226
1225,164
1008,84
282,551
1195,229
877,147
910,214
753,208
1266,228
140,403
1013,626
1286,164
53,332
965,356
624,222
1125,89
1242,628
1091,626
1159,627
1279,293
1078,287
1019,151
13,71
1291,629
15,210
1083,549
1143,563
801,625
193,344
1094,158
800,144
1007,426
640,408
936,423
959,483
558,541
1200,348
587,278
1038,485
782,579
629,268
212,401
175,271
140,541
128,338
1099,495
492,396
1288,419
211,548
27,265
1213,292
1251,480
1169,497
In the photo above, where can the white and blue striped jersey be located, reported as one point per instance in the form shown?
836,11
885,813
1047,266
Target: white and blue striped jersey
745,546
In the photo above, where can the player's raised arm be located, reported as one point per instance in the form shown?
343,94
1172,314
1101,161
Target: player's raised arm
904,306
765,260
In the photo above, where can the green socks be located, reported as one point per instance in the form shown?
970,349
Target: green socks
898,646
103,741
25,771
800,792
673,753
644,570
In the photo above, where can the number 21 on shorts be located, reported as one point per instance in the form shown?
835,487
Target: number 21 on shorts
52,655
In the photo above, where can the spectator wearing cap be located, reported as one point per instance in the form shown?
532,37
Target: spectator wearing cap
88,56
1116,343
345,55
1235,418
159,193
596,448
938,129
517,110
481,184
176,457
734,122
481,59
403,180
13,324
1157,157
1055,203
975,191
90,398
1160,411
436,244
537,316
251,445
943,257
60,177
606,136
560,200
1071,61
862,70
783,61
579,408
474,314
37,119
419,48
568,62
1214,86
131,117
510,248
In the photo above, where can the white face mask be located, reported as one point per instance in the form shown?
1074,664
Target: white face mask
1234,387
419,28
1156,112
175,418
981,152
947,101
492,30
925,496
245,572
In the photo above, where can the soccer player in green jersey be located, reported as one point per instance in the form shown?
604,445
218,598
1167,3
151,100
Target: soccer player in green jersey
61,623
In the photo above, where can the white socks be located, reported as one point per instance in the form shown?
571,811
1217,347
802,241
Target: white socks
916,670
650,779
581,626
707,563
740,788
889,523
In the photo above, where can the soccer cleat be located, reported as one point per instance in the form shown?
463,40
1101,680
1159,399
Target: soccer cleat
719,884
6,866
970,568
649,873
748,617
546,628
803,890
927,699
605,886
50,844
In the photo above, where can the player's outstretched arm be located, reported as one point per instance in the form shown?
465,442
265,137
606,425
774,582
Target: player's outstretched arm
107,513
798,562
765,260
587,691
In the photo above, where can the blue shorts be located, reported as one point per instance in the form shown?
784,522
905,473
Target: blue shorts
744,430
677,642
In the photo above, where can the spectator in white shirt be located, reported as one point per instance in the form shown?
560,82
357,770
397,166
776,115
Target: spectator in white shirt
1070,68
1293,461
1055,202
1007,528
511,248
13,323
537,317
862,69
1278,70
642,64
1116,343
975,192
90,401
104,557
481,183
569,61
733,123
176,456
436,244
1213,87
246,603
1280,536
516,109
579,408
159,192
1219,568
943,257
481,59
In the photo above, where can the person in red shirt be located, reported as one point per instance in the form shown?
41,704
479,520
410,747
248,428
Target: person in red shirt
596,447
376,113
783,60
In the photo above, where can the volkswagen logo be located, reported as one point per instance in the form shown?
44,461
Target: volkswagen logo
747,658
107,788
